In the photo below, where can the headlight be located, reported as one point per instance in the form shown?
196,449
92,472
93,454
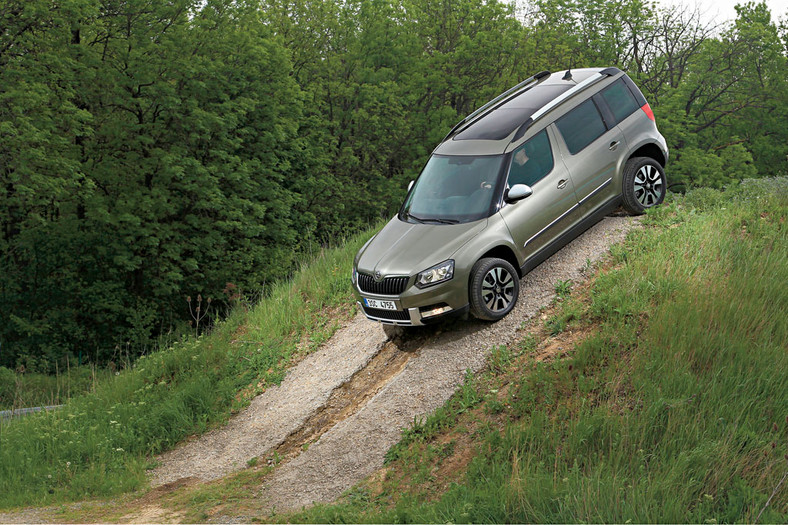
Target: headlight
437,274
353,275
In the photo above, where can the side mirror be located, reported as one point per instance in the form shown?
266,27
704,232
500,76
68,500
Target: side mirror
517,192
410,185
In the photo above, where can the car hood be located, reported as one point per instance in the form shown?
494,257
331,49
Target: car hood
402,248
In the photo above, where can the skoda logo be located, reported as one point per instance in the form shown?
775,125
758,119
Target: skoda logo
378,276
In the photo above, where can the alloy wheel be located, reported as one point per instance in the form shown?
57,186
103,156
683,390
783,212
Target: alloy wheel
648,186
498,289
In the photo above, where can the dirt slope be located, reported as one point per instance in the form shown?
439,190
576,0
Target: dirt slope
351,443
277,413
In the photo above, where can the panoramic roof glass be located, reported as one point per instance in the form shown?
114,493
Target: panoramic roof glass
500,123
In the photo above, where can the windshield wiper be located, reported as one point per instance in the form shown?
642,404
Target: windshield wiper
424,220
442,221
410,216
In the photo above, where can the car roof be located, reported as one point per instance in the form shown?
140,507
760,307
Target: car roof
490,130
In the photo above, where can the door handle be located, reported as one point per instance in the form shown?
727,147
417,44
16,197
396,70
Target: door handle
562,184
613,145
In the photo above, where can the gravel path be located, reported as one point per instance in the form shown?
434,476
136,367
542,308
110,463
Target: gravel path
355,447
277,412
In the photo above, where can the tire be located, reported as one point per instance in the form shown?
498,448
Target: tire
644,184
494,289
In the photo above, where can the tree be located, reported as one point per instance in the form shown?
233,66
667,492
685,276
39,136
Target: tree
156,163
722,113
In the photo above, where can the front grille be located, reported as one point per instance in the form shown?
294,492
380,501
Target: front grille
394,315
388,286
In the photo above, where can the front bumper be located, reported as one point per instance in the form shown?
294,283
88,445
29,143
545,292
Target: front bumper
418,307
410,316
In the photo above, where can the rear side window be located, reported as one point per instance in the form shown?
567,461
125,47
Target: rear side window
531,161
581,126
620,100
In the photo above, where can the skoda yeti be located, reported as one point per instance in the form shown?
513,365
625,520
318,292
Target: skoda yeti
511,184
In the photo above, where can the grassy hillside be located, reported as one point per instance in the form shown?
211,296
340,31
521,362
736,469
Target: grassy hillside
658,391
669,404
101,443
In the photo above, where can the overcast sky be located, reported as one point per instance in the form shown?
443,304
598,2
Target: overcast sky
723,10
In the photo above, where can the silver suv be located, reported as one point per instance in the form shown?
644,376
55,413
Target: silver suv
511,184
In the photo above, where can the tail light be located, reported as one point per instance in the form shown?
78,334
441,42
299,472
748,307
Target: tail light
647,110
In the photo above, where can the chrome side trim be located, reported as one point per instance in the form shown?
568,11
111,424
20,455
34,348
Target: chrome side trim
597,190
567,212
540,232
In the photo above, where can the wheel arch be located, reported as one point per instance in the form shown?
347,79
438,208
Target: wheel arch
503,252
650,150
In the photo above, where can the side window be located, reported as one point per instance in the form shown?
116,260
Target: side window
531,161
620,100
581,126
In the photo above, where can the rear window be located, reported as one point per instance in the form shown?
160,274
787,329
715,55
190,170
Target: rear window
620,100
581,126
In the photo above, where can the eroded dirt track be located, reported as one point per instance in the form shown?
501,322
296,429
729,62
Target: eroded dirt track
339,411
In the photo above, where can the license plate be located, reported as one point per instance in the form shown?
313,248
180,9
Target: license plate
380,305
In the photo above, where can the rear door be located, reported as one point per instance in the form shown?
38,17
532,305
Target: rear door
594,146
552,207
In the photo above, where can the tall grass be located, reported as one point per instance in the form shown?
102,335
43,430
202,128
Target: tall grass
101,443
683,392
675,410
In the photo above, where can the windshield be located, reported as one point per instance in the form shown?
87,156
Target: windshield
453,189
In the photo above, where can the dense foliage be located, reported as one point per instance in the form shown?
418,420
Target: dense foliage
151,151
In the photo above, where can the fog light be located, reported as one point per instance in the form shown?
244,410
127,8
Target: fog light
435,311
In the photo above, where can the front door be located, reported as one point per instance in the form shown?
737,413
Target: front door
552,207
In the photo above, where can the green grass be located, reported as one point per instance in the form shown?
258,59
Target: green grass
675,409
101,443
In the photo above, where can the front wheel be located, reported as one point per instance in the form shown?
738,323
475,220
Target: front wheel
644,184
494,288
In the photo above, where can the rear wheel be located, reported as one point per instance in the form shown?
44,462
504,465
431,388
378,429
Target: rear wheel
494,288
644,184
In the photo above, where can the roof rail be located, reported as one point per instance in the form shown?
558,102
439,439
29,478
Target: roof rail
498,101
590,81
